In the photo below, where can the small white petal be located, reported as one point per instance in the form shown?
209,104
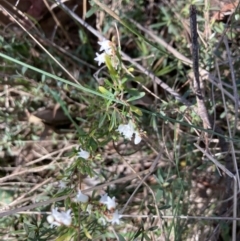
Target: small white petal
61,217
104,199
83,154
57,215
50,219
111,204
81,197
126,130
130,123
137,138
66,218
116,217
105,45
100,58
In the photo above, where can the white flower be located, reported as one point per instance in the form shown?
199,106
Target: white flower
109,202
106,46
81,197
83,154
60,218
128,130
115,218
100,58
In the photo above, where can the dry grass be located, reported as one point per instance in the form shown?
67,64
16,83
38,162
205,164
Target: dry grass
181,182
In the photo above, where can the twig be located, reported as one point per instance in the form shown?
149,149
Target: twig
39,44
142,181
210,123
125,56
52,200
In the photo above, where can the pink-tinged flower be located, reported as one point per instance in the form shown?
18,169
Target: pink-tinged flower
83,154
115,218
81,197
100,58
128,130
60,218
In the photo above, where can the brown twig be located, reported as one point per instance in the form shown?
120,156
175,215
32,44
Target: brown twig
209,123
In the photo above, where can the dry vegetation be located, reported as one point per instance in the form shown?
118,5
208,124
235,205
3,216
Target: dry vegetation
181,182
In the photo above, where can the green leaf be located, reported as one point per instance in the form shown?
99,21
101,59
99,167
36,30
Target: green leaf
104,91
183,108
146,237
135,94
113,121
77,86
159,195
124,80
102,120
223,115
93,144
24,69
108,62
153,228
120,237
165,70
164,207
88,235
65,237
139,232
93,10
136,110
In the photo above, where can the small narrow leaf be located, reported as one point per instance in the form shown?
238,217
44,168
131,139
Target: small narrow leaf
104,91
138,96
87,233
136,110
108,62
120,237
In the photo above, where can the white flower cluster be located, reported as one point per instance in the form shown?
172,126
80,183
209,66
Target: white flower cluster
64,218
107,48
128,130
113,215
